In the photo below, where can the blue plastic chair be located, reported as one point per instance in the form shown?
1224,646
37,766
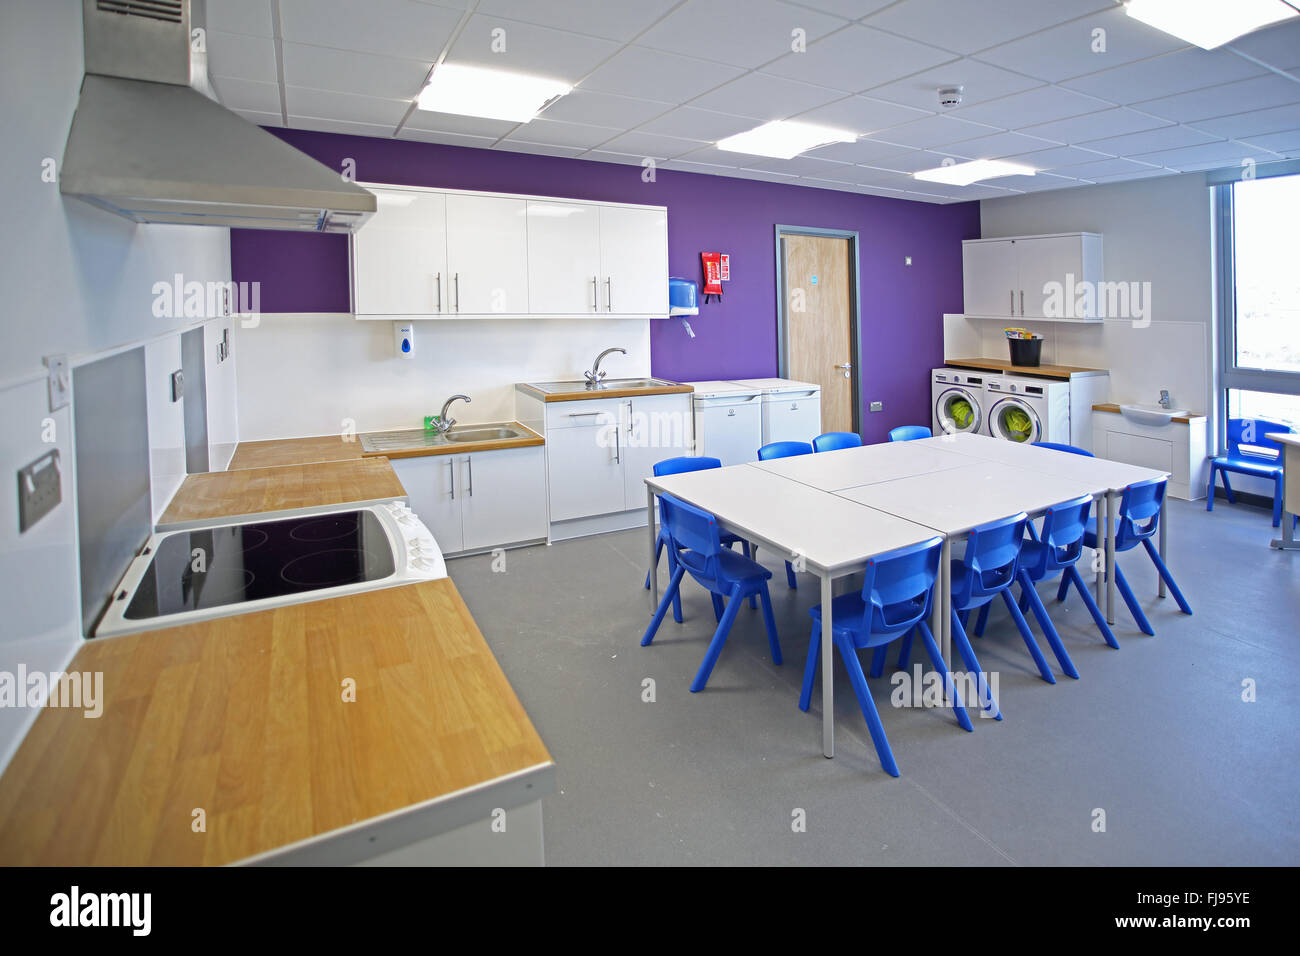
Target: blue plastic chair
909,433
784,449
1057,446
1138,520
693,536
1056,552
679,466
834,441
897,593
1250,432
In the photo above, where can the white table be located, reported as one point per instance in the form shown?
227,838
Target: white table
955,500
1291,489
1108,478
831,536
850,467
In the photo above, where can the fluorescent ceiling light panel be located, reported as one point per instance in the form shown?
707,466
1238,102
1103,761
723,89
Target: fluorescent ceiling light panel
963,174
784,139
491,94
1209,23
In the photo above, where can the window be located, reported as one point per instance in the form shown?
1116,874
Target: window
1258,258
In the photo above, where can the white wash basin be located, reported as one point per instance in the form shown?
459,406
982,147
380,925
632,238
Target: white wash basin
1151,414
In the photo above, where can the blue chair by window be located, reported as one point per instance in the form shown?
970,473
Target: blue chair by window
833,441
679,466
694,538
909,433
1138,520
785,449
1057,446
1250,453
897,592
1057,552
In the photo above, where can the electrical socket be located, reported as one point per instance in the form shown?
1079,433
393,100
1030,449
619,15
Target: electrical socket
40,488
59,381
877,406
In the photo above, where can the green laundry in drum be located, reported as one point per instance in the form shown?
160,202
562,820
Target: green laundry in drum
961,412
1017,422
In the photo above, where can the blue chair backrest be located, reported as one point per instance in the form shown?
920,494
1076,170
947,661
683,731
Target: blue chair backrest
695,529
679,466
1139,512
833,441
909,433
898,589
991,553
1250,432
784,449
1063,527
1057,446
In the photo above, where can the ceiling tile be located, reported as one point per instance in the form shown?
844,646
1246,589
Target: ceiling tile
603,109
1071,49
555,133
538,149
464,125
884,192
981,82
856,58
1207,156
1167,137
324,125
933,131
651,144
766,175
1109,167
404,28
1057,157
242,95
1079,129
1042,105
803,166
862,114
709,169
345,107
623,159
917,160
344,71
869,151
998,145
250,17
1251,125
445,138
1146,173
1035,183
1164,75
1286,143
713,156
614,21
248,58
967,27
529,49
1278,46
261,119
765,97
636,71
744,33
1257,93
688,122
849,9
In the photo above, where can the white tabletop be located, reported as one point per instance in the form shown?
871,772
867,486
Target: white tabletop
1103,474
849,467
832,533
1285,438
957,499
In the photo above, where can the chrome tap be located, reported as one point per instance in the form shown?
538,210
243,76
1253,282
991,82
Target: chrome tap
594,376
1165,400
442,424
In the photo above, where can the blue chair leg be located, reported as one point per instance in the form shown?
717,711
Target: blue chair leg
673,564
980,621
659,550
878,660
967,652
905,650
663,606
810,668
1063,590
1022,626
1072,576
770,623
1227,487
1277,501
949,688
868,706
1209,495
717,607
1133,607
1030,596
719,638
789,577
1168,578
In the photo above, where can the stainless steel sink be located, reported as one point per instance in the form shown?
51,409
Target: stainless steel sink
378,442
482,434
578,385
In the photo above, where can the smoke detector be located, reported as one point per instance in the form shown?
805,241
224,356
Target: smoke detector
950,96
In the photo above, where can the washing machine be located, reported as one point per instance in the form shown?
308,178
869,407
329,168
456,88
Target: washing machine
958,398
1027,410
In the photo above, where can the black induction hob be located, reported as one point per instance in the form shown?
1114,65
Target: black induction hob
213,567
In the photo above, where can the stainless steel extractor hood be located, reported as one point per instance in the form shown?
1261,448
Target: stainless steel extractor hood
146,145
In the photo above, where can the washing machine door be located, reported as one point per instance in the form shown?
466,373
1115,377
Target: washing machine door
1014,419
957,409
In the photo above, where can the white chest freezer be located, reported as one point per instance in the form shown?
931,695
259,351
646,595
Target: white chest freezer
728,421
792,411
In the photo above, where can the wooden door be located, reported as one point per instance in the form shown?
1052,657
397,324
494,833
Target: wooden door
819,322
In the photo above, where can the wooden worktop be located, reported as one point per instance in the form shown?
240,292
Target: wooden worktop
243,717
1114,409
1004,366
294,451
582,394
253,491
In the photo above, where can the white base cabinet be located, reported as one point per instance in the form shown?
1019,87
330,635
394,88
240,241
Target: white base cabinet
1178,448
478,501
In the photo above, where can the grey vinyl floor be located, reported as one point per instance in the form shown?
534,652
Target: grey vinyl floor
1155,735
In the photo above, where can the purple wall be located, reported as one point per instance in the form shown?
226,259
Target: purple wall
902,328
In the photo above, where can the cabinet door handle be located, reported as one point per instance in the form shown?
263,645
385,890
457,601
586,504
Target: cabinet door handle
1022,301
456,282
629,419
595,300
618,448
582,414
609,293
439,278
1013,301
451,467
470,461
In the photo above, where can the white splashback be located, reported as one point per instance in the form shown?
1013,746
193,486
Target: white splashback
320,374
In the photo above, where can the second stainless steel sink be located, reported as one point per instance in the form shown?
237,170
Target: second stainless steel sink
379,442
482,434
578,385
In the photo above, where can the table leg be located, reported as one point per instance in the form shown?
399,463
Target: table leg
828,671
945,603
654,565
1100,515
1109,558
1288,541
1164,523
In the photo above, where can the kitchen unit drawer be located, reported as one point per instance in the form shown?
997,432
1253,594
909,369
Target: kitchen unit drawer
1033,277
602,411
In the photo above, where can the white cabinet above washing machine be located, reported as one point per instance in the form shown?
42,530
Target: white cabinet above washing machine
1052,278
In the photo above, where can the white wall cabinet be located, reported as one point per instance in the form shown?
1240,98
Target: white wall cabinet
480,500
1033,277
446,254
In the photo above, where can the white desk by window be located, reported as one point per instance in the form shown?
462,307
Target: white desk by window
1291,488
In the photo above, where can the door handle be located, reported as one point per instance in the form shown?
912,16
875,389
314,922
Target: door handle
846,366
456,281
618,448
629,419
470,461
438,276
1022,301
595,300
451,467
1013,301
609,293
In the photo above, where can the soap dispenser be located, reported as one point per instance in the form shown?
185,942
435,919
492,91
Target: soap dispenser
404,339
